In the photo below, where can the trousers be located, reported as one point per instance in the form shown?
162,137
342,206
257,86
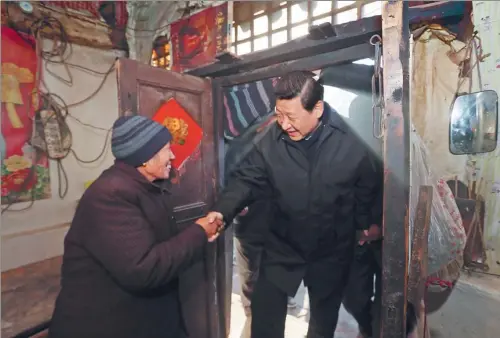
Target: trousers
269,308
360,289
248,258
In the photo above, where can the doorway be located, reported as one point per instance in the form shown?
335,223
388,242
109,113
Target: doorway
348,91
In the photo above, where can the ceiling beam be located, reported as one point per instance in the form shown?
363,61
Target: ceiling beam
347,35
319,61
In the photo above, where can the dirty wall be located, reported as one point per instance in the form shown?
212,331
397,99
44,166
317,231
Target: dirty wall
433,88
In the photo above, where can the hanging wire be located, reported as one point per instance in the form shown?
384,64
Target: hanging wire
54,103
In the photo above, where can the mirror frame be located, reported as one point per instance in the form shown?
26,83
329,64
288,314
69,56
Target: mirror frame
451,114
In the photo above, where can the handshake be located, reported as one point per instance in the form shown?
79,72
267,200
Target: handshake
213,224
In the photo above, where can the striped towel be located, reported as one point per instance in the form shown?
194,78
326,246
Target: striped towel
243,104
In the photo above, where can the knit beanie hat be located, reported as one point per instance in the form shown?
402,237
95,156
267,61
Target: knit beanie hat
136,139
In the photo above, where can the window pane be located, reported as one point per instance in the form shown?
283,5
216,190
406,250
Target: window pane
372,9
244,31
278,38
260,25
260,43
320,21
278,18
343,17
233,49
341,4
300,30
299,12
244,48
321,7
233,35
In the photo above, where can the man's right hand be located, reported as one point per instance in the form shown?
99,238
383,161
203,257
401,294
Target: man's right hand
215,216
212,226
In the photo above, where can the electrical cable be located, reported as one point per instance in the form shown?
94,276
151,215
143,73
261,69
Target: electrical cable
62,50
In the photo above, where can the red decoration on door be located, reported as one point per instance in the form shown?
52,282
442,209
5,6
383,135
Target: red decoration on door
186,133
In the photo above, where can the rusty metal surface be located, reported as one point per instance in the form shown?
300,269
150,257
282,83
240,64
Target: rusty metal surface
395,33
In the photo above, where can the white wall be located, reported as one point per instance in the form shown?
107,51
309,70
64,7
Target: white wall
486,18
434,83
37,233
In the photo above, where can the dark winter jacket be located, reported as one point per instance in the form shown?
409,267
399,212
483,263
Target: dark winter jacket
122,258
252,226
320,200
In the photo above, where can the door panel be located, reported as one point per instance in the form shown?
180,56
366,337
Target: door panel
142,90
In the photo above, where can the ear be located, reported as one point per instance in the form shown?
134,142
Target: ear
318,109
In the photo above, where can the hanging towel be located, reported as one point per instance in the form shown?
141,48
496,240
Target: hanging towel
245,103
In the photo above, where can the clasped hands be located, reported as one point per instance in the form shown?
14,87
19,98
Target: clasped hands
213,224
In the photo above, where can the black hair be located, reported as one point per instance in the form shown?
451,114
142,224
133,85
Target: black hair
302,84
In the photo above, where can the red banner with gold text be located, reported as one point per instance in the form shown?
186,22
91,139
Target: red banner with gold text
25,173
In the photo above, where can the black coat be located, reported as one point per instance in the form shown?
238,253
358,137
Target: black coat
319,203
122,258
252,227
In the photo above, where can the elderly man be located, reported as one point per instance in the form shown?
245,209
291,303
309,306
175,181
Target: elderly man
321,179
124,252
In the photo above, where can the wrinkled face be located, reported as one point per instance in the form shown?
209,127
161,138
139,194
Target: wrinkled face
159,166
295,120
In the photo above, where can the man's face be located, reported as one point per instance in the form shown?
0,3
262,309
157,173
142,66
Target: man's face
295,120
159,166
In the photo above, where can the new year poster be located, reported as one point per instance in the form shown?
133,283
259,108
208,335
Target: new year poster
25,173
196,40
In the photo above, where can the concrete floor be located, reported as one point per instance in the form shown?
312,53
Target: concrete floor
297,319
472,311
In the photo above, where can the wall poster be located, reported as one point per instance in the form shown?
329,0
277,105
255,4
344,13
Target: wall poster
25,172
196,40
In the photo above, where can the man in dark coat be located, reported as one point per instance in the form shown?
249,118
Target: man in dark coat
124,252
361,296
322,182
362,299
251,225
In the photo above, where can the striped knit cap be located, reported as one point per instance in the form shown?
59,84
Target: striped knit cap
136,139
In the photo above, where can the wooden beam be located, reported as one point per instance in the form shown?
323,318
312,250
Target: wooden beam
224,281
81,31
315,62
419,249
348,35
396,54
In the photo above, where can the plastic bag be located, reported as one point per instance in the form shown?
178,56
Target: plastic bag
447,236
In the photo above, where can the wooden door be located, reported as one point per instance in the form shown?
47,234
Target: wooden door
142,90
